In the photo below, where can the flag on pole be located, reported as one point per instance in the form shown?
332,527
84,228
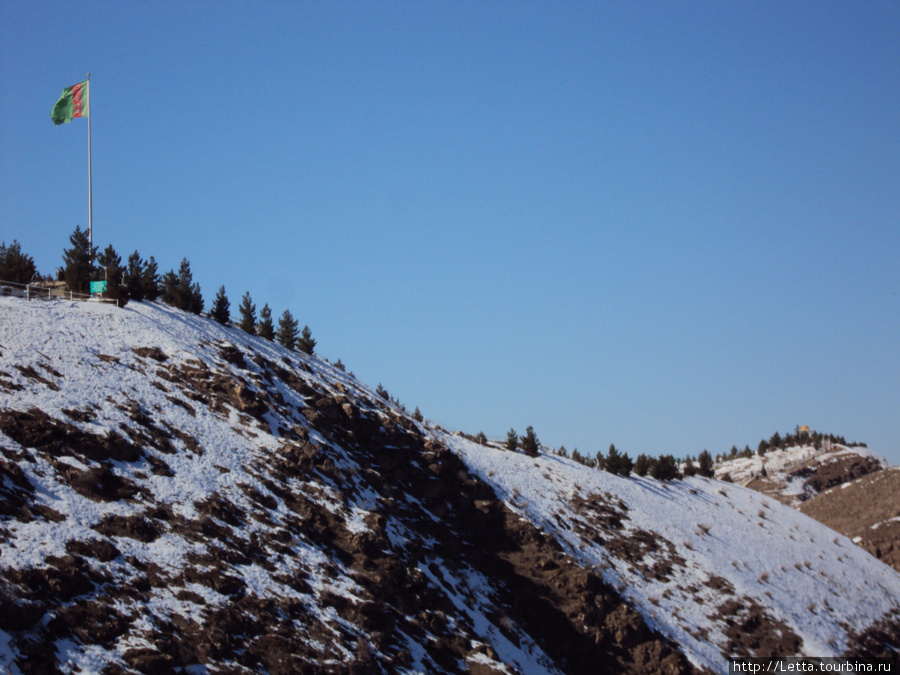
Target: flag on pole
74,102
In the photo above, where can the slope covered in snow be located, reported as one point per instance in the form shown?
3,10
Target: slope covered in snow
850,489
179,496
722,569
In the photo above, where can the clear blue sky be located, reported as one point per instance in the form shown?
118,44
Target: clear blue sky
669,226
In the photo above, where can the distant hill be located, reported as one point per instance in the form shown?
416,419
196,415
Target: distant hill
848,488
180,496
796,474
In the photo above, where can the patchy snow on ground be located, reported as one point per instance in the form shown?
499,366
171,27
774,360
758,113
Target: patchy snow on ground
680,550
702,561
98,369
779,464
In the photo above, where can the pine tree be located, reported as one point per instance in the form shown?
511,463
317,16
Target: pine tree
221,309
111,264
625,465
133,277
287,332
689,469
530,443
247,312
642,465
79,266
150,280
187,295
183,289
180,290
705,464
109,258
265,328
512,440
617,463
195,305
306,343
382,392
665,468
481,438
16,266
169,288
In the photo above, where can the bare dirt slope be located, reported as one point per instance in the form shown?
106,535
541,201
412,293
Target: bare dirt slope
867,510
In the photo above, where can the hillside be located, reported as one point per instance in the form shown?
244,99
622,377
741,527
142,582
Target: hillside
179,496
849,489
867,510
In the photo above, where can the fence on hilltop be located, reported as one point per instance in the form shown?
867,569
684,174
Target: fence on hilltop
48,291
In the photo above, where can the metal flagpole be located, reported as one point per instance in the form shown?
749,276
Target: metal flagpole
90,190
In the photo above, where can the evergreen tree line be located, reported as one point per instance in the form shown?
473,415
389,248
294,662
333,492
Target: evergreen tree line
139,279
529,443
790,440
616,462
383,393
664,467
287,333
16,266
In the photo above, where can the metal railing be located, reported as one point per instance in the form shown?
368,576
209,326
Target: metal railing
40,291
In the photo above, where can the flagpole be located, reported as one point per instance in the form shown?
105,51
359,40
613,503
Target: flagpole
90,190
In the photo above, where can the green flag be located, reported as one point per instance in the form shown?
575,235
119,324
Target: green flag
74,102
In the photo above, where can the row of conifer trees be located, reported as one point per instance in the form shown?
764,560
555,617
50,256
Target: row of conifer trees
664,467
138,279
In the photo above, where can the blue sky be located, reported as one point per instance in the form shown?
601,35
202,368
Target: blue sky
669,226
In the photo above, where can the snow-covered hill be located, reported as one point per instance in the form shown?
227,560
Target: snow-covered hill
178,496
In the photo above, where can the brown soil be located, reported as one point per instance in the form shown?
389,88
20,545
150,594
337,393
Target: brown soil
751,631
867,508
